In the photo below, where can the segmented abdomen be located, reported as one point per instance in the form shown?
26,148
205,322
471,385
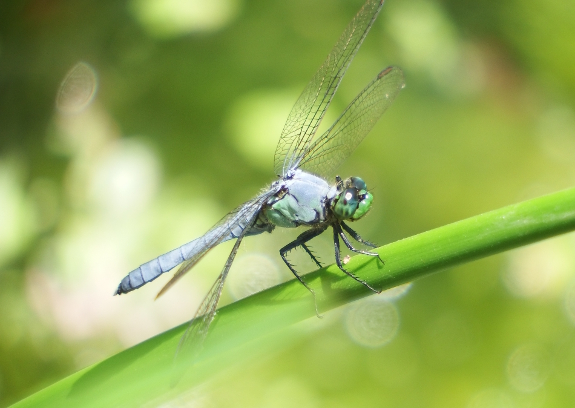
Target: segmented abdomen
151,270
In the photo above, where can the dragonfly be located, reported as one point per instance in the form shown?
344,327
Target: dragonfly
301,196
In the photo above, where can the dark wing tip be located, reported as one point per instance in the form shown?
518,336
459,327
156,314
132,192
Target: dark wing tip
394,71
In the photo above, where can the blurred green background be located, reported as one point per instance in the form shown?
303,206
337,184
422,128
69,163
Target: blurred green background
170,119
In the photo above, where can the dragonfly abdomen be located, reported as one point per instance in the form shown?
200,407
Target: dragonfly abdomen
151,270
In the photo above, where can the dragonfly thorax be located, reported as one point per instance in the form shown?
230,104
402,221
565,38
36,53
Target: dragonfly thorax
300,200
352,200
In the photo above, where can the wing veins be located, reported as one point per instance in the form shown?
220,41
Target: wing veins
353,124
197,331
219,232
309,110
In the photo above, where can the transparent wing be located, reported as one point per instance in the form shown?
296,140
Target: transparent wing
309,109
341,139
235,224
191,342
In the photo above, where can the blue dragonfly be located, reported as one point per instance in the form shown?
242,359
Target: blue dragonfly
300,196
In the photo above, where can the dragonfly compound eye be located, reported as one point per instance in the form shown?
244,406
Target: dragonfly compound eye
363,206
346,204
356,182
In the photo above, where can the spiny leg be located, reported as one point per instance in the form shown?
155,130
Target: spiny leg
336,235
300,241
356,236
312,256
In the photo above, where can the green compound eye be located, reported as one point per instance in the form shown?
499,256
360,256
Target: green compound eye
363,207
356,182
346,204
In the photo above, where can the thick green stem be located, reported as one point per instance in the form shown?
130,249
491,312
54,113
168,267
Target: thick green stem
144,372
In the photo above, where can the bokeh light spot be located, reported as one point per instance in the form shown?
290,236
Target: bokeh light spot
255,123
426,37
174,18
396,292
16,212
77,89
528,368
252,273
539,270
125,178
430,44
372,322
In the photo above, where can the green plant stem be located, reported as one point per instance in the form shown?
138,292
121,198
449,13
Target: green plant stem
143,373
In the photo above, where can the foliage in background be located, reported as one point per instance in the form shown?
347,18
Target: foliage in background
190,100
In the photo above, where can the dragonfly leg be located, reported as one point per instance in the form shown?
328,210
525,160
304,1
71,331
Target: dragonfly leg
336,234
312,256
300,241
359,239
355,235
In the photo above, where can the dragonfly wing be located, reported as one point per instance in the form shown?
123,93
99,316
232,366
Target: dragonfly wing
308,111
189,254
237,223
192,340
340,140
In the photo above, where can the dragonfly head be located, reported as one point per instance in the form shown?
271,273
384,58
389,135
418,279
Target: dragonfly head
352,201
